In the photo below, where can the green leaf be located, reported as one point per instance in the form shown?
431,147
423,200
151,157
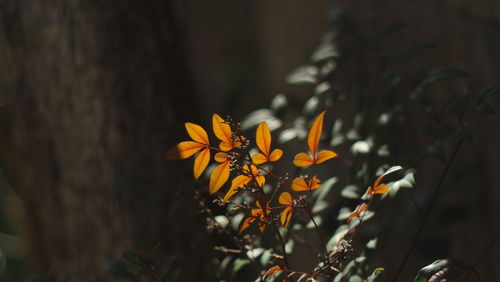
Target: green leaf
303,75
488,92
376,275
351,192
464,130
238,264
411,51
442,74
324,52
457,104
443,270
3,262
287,135
485,108
436,150
311,106
256,117
322,88
279,103
372,244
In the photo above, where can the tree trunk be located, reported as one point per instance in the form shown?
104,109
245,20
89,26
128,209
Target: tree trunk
93,93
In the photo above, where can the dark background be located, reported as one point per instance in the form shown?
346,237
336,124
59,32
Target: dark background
92,93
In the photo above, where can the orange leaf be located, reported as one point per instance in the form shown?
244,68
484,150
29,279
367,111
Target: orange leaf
219,176
302,159
272,271
315,134
263,138
220,157
381,189
224,146
286,216
357,212
230,193
197,133
261,180
299,184
245,223
240,181
259,158
183,150
221,129
285,199
201,162
314,183
325,155
275,155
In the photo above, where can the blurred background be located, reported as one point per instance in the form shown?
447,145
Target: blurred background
92,94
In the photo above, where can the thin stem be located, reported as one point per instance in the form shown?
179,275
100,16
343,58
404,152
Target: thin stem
429,209
320,235
490,245
285,258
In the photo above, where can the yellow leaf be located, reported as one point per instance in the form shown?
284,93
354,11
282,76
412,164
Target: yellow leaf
201,162
220,157
324,156
183,150
302,159
221,129
286,216
224,146
381,189
315,134
259,158
285,199
263,138
230,193
261,180
299,184
272,271
240,181
314,183
275,155
197,133
245,223
219,176
357,212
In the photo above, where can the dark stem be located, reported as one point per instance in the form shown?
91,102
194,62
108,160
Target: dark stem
429,209
490,245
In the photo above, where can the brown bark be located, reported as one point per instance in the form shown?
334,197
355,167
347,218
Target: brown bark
93,93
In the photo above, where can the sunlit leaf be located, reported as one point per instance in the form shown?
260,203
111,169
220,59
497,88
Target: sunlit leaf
358,212
263,138
221,129
197,133
299,184
184,150
219,176
286,216
276,154
201,162
220,157
325,155
311,106
315,134
272,271
376,275
302,159
287,135
285,199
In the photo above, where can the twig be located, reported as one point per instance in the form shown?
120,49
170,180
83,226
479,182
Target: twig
490,245
429,208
